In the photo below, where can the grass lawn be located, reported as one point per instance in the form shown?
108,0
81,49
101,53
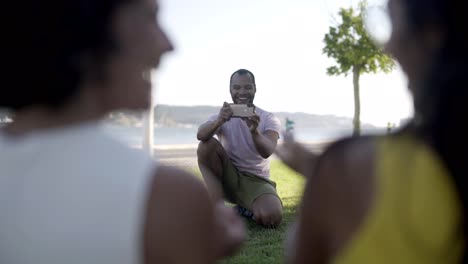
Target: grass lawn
266,245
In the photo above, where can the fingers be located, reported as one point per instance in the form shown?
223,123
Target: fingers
253,121
255,118
225,112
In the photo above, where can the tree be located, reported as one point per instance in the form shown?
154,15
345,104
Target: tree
354,52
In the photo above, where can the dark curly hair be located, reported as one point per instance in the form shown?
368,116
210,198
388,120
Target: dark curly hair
48,46
441,105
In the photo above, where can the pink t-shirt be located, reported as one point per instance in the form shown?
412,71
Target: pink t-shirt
236,139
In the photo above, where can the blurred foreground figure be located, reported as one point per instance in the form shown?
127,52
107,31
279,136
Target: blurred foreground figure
68,192
400,198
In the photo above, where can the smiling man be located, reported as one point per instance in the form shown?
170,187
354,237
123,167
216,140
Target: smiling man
236,167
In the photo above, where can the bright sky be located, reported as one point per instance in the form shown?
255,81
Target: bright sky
281,43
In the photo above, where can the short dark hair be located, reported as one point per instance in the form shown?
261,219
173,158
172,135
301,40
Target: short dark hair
242,72
49,43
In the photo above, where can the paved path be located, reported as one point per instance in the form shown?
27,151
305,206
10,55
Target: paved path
186,156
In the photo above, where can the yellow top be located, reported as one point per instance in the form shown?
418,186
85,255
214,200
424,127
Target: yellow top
416,214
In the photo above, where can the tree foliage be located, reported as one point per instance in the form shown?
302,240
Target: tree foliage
350,45
354,51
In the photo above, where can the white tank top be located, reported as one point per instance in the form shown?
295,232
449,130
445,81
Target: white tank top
72,195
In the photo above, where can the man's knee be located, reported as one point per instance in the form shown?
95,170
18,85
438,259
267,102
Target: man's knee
268,210
207,148
270,219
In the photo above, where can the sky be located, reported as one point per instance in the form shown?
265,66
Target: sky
281,42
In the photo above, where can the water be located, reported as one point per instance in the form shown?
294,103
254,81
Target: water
188,135
162,135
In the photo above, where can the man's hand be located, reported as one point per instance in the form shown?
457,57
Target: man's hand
252,123
225,113
208,129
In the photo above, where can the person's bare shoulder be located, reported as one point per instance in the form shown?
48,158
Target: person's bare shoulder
179,226
336,199
347,164
347,169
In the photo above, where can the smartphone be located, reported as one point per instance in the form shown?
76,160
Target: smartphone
242,110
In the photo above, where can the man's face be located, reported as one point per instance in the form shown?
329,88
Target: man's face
242,89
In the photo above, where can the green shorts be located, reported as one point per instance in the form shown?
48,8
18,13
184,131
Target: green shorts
243,188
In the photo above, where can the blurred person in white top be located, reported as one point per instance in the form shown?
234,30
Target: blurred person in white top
68,192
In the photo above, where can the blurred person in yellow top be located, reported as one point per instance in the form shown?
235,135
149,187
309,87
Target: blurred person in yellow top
400,198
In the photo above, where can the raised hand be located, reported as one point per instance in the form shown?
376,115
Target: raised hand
252,122
295,155
225,113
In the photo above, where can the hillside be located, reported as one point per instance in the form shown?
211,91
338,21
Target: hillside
166,115
193,116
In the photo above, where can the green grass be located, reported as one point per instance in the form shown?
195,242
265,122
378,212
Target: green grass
266,245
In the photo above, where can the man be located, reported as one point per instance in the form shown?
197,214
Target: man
236,167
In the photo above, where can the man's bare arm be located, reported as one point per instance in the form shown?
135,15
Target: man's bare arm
207,129
265,143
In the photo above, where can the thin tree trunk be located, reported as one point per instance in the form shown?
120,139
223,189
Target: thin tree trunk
148,129
357,102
